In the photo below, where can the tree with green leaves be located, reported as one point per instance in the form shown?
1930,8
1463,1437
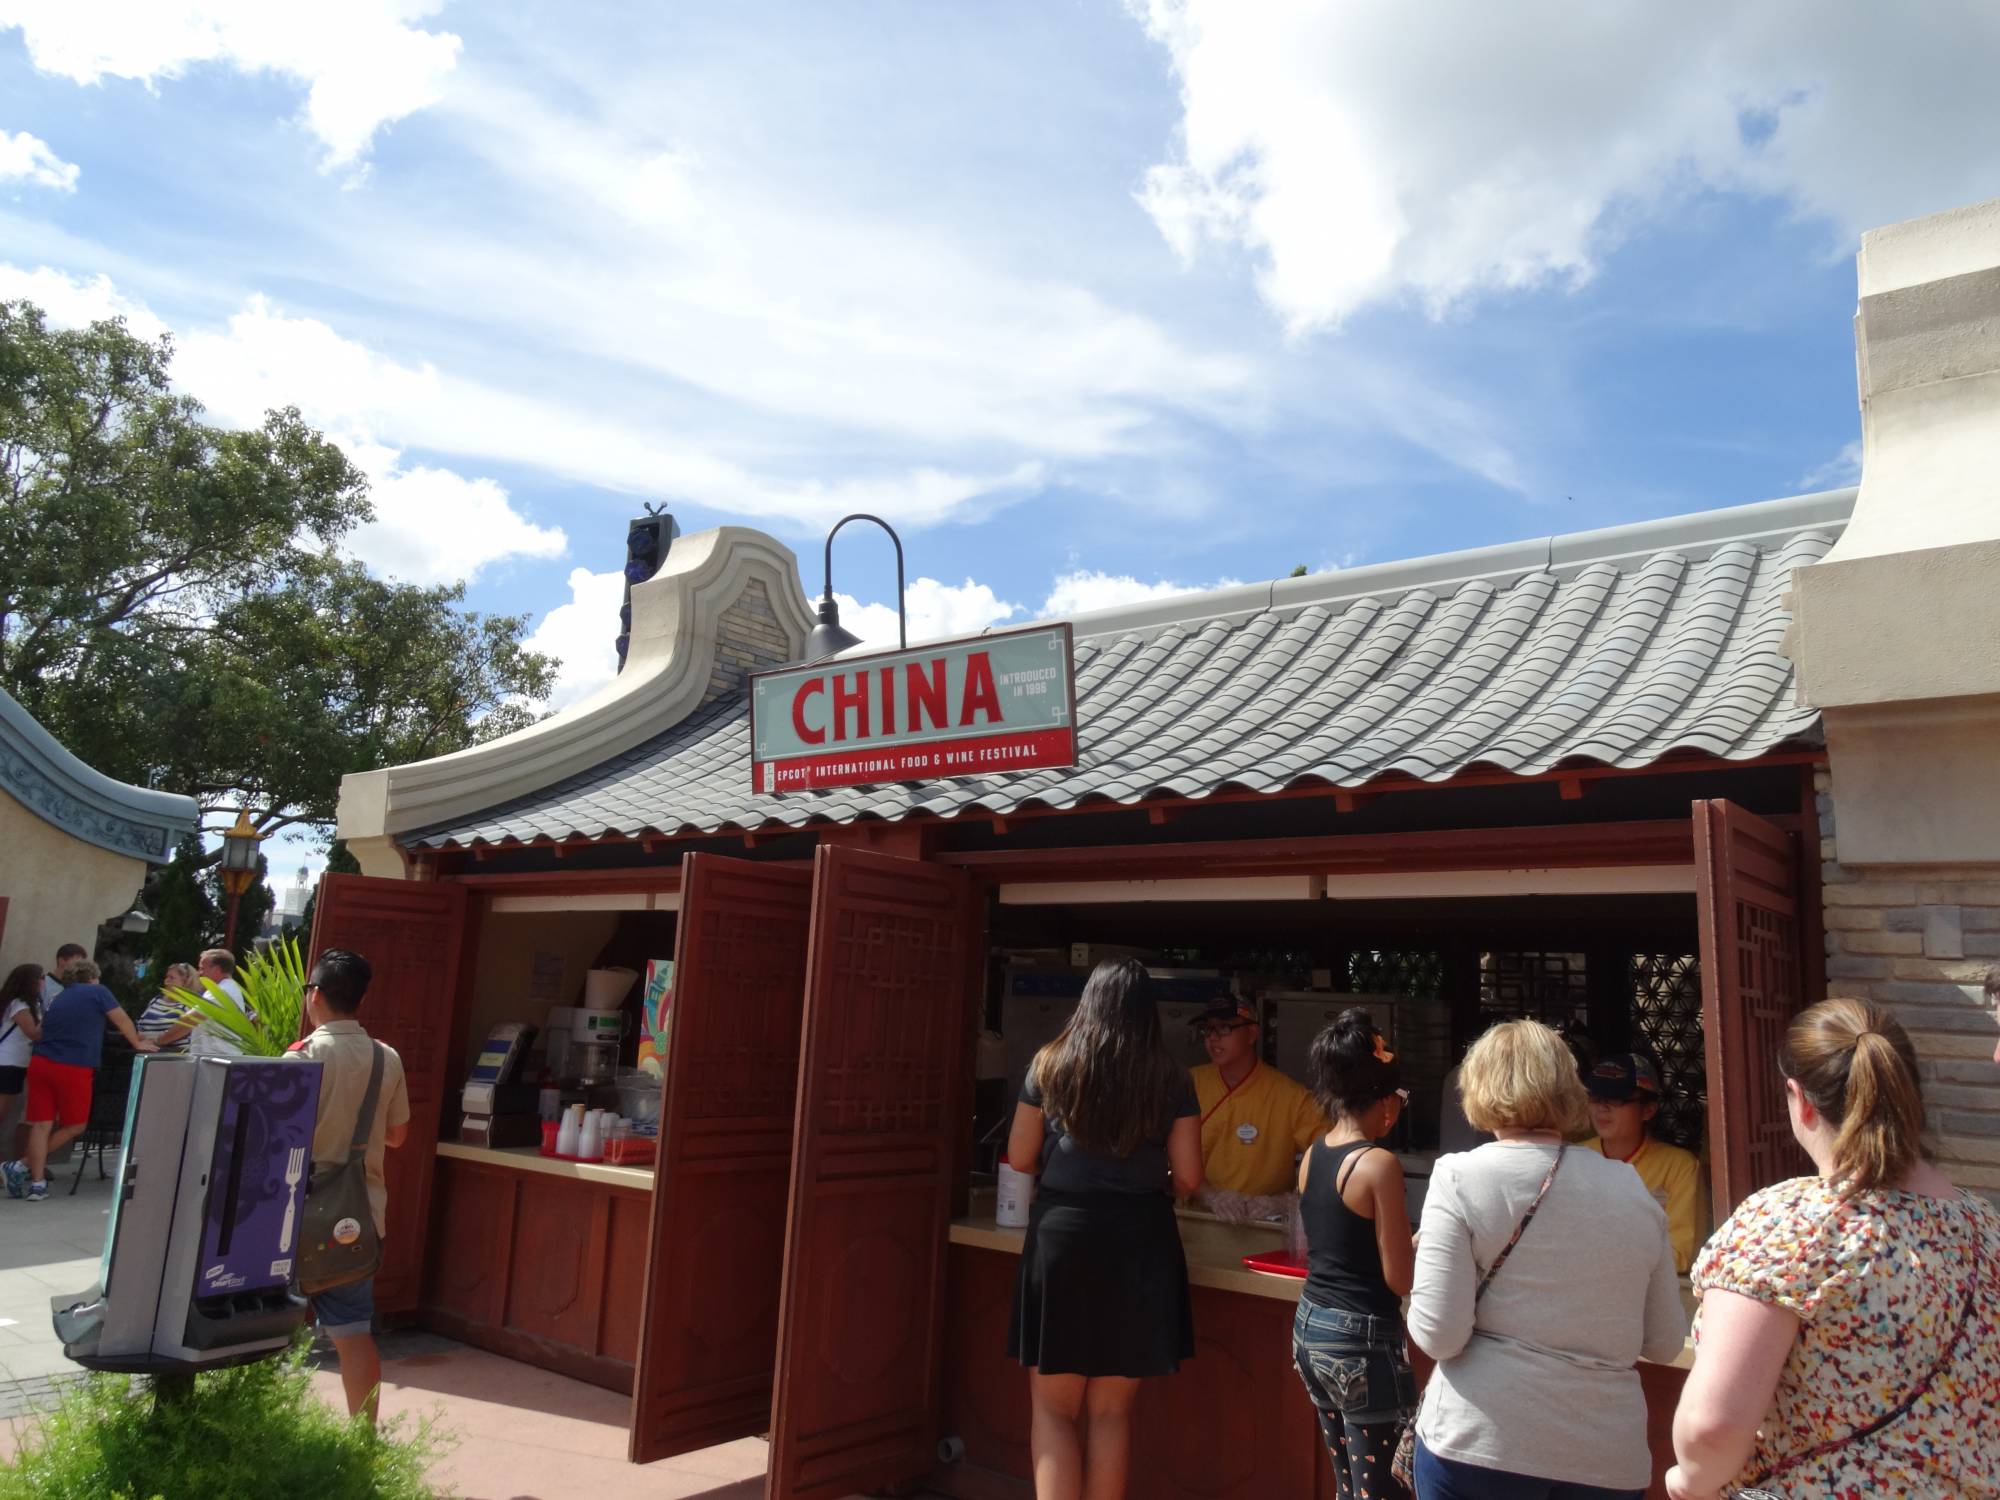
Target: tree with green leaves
174,607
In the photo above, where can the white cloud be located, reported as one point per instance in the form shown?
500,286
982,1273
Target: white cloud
1077,592
582,634
27,158
1843,468
435,526
1359,150
362,61
431,525
937,611
72,302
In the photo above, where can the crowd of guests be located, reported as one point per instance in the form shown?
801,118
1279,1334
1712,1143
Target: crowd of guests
52,1028
1848,1331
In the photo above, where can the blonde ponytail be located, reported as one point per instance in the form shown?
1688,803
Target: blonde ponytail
1854,1062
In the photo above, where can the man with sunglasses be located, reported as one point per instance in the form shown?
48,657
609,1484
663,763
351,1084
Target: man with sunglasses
1254,1120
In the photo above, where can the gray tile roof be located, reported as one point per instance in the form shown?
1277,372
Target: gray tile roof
1611,648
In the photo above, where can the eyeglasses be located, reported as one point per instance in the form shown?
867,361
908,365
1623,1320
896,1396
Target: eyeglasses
1221,1028
1404,1095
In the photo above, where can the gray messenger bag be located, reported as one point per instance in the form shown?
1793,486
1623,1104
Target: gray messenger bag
338,1244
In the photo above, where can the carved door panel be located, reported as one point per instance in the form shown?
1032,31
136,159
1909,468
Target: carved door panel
709,1324
861,1327
1747,897
411,934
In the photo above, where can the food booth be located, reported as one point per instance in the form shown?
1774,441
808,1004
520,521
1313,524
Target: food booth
1565,778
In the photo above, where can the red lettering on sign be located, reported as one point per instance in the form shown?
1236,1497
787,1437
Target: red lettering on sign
853,698
804,730
981,696
888,700
926,695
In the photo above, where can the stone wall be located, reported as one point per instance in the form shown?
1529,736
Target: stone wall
1920,939
748,639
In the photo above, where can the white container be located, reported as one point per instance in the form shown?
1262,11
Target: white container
568,1133
1017,1192
591,1146
606,989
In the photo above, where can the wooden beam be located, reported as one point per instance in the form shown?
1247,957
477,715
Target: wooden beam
1160,816
1667,841
1572,788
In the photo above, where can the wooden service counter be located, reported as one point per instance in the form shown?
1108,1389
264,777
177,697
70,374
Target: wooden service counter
538,1259
1234,1424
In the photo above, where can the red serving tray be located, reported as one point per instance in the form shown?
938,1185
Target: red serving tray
1277,1263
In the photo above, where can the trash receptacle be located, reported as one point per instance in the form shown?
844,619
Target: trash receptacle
197,1267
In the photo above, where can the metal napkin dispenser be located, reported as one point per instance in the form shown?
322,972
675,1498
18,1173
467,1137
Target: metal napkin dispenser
197,1267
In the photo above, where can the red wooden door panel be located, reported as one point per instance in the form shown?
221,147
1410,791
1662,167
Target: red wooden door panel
411,934
709,1327
860,1343
1747,896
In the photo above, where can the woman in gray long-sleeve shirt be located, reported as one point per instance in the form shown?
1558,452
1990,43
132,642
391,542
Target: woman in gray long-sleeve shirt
1535,1395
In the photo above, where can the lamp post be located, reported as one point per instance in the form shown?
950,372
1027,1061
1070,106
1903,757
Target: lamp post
239,868
828,638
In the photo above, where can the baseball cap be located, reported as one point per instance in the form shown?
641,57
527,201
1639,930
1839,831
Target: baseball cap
1622,1076
1227,1009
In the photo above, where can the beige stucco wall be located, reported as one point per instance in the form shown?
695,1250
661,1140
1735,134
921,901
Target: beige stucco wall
58,888
1896,633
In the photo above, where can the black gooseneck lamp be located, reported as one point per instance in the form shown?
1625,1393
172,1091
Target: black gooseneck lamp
828,638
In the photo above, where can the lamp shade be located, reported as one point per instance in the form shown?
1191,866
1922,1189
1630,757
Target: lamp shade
828,638
239,844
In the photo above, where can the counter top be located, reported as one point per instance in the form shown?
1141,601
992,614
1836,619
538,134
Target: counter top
530,1159
1215,1254
1214,1250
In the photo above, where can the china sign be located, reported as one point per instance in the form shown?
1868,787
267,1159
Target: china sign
1003,702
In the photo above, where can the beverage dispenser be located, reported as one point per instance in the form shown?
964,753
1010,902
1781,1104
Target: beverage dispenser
198,1254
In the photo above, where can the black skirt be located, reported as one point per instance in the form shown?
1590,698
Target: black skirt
1102,1288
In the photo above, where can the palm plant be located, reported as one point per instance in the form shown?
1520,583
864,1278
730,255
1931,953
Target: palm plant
274,986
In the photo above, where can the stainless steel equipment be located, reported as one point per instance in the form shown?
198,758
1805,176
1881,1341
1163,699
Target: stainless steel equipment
1036,1003
583,1044
1294,1017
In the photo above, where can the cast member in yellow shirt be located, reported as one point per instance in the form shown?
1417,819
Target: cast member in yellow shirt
1624,1095
1254,1120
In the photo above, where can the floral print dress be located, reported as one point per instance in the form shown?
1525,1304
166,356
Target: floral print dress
1879,1282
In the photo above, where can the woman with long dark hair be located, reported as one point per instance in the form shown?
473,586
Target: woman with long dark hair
1347,1339
20,1029
1107,1122
1847,1328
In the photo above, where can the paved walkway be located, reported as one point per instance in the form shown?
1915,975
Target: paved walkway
522,1433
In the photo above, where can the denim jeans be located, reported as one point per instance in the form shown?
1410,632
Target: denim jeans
1357,1372
1448,1479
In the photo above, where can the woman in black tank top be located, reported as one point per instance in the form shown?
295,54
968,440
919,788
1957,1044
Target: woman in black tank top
1347,1338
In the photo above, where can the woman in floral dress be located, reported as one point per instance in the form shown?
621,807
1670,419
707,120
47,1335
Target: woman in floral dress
1848,1343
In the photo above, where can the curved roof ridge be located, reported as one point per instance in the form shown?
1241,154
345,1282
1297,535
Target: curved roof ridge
62,790
1695,535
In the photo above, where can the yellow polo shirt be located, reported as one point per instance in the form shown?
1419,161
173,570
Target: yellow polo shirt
1673,1177
1250,1140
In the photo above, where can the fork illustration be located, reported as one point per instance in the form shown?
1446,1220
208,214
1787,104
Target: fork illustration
295,1168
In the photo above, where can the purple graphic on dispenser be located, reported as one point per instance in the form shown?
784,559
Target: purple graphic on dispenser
257,1179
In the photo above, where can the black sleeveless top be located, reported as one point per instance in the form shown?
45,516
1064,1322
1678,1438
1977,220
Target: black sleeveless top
1343,1260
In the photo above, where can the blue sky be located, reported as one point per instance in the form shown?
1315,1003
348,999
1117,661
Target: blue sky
1091,298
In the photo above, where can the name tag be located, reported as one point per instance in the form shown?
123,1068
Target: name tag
1246,1133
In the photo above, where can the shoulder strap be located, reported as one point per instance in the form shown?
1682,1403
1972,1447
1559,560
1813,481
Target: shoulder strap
1833,1445
1522,1227
365,1121
1347,1166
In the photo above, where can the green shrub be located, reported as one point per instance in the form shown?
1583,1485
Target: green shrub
247,1433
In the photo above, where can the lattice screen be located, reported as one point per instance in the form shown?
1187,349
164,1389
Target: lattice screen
1666,1025
1548,987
